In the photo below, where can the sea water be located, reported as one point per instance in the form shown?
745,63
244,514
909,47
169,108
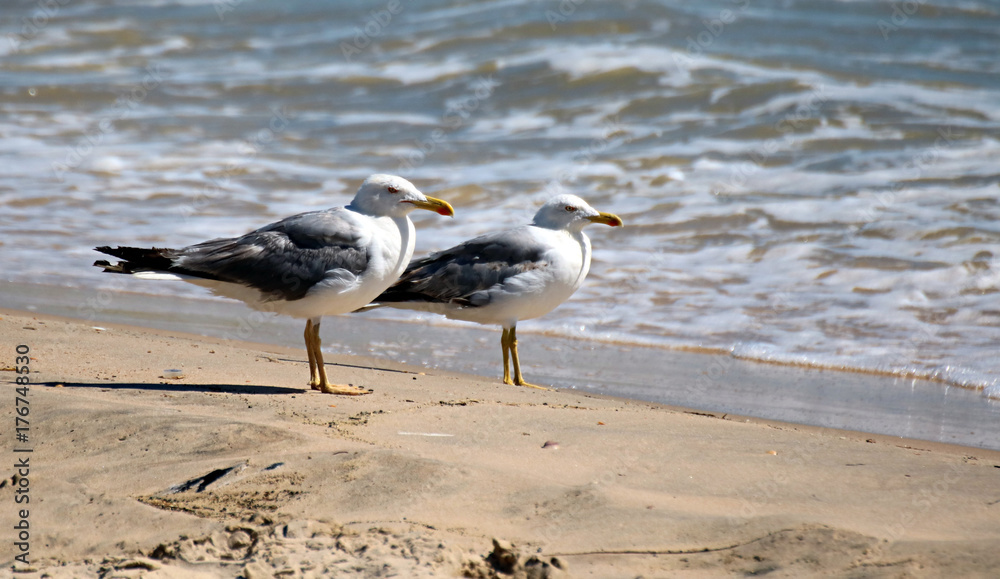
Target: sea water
803,182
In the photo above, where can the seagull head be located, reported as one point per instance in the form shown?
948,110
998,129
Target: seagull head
392,196
571,213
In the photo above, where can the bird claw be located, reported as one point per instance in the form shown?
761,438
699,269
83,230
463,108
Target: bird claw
523,383
341,389
520,382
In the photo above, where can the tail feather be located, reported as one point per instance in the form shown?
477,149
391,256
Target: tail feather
136,259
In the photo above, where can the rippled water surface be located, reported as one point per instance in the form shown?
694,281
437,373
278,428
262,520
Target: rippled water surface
810,182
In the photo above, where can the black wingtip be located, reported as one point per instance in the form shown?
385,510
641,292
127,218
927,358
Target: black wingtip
135,259
117,251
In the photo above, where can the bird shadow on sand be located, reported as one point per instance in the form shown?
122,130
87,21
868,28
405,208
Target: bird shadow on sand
181,387
356,366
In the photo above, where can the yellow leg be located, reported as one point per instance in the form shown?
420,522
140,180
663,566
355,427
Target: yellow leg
505,347
313,373
511,336
317,369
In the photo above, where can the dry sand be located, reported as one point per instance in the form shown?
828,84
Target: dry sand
237,470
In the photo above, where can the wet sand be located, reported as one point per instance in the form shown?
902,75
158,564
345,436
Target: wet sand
709,381
237,469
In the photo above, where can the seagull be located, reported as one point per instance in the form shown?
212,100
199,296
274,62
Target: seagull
502,278
305,266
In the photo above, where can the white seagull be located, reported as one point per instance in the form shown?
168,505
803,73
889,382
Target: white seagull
501,278
305,266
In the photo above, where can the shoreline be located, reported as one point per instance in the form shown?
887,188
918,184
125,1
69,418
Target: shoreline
420,476
370,363
715,383
424,319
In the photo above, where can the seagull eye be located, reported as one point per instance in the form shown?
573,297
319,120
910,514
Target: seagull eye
570,208
392,189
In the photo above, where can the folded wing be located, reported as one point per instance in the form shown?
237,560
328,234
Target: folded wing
282,260
469,274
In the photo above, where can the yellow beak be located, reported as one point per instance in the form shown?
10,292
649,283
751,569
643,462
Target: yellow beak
607,219
436,205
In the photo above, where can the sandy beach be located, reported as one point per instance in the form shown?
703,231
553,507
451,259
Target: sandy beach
784,364
238,470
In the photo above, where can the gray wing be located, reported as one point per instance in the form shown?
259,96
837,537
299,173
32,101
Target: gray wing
284,259
464,274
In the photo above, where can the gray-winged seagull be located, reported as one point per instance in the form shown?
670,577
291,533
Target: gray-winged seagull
306,266
501,278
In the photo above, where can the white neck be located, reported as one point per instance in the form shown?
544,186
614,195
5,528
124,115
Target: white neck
585,248
407,241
